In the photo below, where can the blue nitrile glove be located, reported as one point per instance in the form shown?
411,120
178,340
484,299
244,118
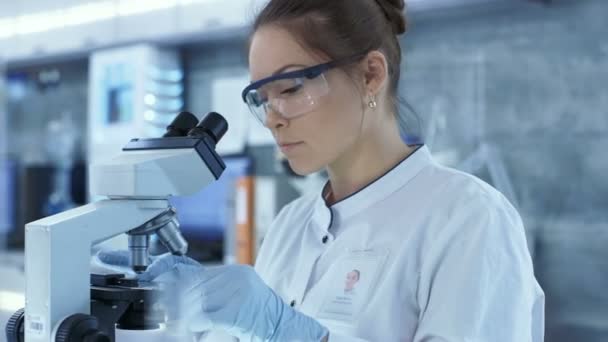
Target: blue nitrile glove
159,263
111,261
115,261
231,298
114,257
120,258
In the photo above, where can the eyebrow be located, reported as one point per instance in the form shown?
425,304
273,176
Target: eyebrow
287,67
280,70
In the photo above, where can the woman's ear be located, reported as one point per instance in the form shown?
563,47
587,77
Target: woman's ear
375,71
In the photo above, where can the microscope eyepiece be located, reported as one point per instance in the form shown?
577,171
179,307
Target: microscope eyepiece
213,125
181,125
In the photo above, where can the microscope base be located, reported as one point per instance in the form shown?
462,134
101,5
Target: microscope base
119,309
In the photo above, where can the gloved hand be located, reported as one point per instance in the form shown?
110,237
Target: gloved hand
114,257
119,261
111,261
232,298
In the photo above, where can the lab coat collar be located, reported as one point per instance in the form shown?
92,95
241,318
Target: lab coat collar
324,216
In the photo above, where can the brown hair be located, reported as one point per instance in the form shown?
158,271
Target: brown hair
344,28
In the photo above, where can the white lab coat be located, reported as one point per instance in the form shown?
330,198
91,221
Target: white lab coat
442,257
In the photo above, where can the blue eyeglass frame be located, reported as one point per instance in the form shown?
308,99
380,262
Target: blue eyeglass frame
310,73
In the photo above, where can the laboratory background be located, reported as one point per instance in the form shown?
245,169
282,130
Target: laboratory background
512,91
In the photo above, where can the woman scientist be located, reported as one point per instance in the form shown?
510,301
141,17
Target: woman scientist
439,254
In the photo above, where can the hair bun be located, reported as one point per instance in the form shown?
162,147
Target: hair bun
395,13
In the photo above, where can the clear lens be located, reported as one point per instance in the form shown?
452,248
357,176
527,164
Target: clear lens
288,97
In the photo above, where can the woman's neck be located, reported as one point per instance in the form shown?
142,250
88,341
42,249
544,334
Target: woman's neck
371,157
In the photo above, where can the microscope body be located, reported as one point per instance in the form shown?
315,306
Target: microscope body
137,184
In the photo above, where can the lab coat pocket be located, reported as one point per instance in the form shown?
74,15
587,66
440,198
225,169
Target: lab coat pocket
350,284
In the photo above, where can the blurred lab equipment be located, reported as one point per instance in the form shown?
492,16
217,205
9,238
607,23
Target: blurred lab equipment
61,139
7,200
208,218
133,90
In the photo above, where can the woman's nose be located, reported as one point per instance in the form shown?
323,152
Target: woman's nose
274,119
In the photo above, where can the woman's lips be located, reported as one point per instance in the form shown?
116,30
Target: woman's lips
285,148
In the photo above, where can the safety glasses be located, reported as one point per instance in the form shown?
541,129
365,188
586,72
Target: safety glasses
291,94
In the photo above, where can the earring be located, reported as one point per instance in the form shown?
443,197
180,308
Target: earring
372,102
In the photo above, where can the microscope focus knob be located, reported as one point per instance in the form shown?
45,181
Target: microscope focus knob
81,328
14,327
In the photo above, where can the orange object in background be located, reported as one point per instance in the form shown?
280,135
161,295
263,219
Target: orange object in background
245,223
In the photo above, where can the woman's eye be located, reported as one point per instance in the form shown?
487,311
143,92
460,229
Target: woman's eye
259,101
291,90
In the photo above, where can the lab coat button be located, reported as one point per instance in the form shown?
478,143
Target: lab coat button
293,303
325,239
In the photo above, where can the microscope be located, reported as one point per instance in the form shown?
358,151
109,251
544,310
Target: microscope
64,301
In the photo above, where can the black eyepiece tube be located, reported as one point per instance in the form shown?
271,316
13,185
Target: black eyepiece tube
181,125
213,124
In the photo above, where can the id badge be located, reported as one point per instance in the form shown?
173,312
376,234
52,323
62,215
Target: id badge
352,280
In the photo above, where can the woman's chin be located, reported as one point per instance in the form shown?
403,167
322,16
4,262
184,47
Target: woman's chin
303,168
